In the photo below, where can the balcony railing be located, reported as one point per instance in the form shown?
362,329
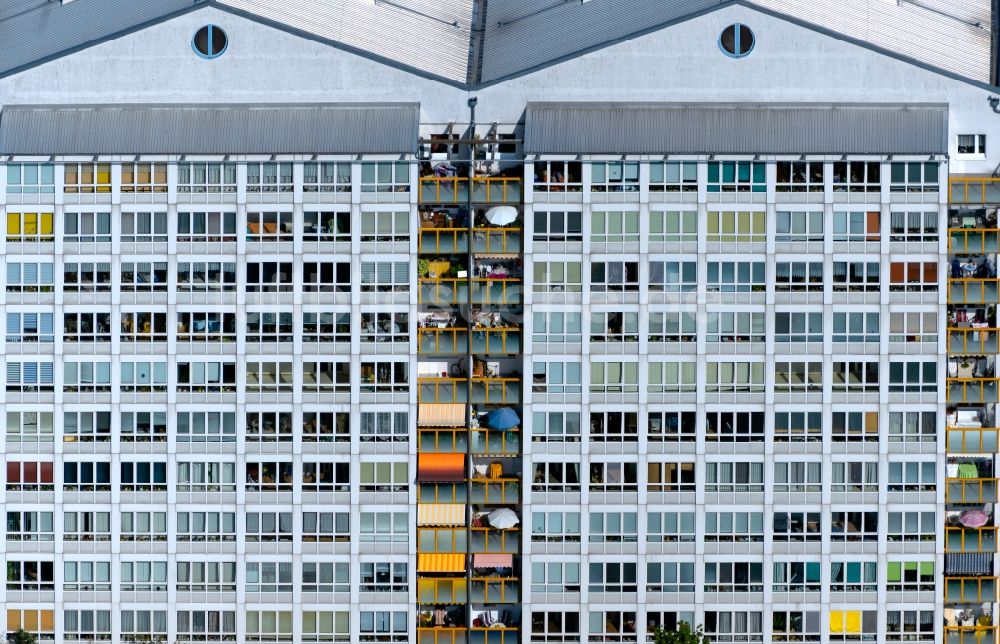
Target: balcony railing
442,635
444,290
444,441
494,590
446,341
965,241
498,491
972,390
492,541
497,291
970,340
972,290
445,241
973,440
959,539
498,241
973,190
485,190
441,591
492,391
441,493
970,634
970,491
960,590
494,635
494,442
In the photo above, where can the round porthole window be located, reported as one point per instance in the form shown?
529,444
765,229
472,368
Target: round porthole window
736,40
210,42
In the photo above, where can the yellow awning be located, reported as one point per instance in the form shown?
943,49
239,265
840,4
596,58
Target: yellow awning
446,514
441,562
441,415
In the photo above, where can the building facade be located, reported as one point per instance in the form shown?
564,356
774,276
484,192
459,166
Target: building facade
449,324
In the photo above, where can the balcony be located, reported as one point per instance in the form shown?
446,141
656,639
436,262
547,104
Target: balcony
498,291
442,440
959,539
495,590
449,590
972,340
972,290
495,442
963,589
973,190
969,634
973,240
485,390
442,634
447,241
502,490
972,440
970,491
485,190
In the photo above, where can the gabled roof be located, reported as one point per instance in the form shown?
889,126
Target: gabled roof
470,43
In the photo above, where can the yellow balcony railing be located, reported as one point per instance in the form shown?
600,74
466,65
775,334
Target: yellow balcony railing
960,590
496,391
499,490
973,440
497,291
442,390
492,391
958,539
442,635
444,290
971,341
973,190
485,190
491,540
497,241
496,340
494,635
441,540
972,390
444,240
442,493
494,590
441,591
973,290
495,442
442,341
965,241
970,634
442,440
970,491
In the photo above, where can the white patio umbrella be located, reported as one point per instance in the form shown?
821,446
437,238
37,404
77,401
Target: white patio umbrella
501,215
503,518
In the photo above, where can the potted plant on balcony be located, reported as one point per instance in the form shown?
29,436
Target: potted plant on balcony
423,266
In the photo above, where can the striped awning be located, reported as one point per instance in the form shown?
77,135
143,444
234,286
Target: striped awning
968,564
441,468
447,514
492,561
441,562
441,415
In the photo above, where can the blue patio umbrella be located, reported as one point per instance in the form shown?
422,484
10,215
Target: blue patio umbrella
502,419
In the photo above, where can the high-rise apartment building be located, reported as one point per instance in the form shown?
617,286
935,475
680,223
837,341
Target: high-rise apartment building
461,322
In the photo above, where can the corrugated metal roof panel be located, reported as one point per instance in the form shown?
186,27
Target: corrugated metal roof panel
658,128
210,129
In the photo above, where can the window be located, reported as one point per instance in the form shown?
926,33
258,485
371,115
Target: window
555,577
914,226
206,226
378,327
30,277
383,626
87,178
556,277
206,625
796,577
736,176
29,526
86,426
614,276
855,476
671,377
269,426
330,226
86,477
614,377
326,176
385,177
912,426
613,527
26,377
734,577
148,624
269,577
206,576
206,427
673,176
736,40
730,326
798,277
143,326
385,277
30,327
856,226
670,477
326,626
798,377
853,577
144,377
269,526
209,42
556,377
795,626
87,327
556,477
143,476
30,178
326,376
738,527
206,327
380,577
796,526
913,276
144,177
799,327
269,625
670,426
853,625
736,227
269,177
326,526
269,277
40,623
208,527
145,526
205,276
555,527
612,577
383,527
798,226
323,427
613,477
852,426
972,144
327,477
87,277
327,276
612,626
614,176
799,176
670,527
910,625
673,277
384,376
734,377
558,226
856,326
330,577
857,176
86,227
87,576
672,326
913,377
914,176
558,176
143,426
735,277
30,227
735,626
912,476
614,426
152,276
143,226
854,526
734,477
384,477
555,626
206,178
268,226
269,476
263,326
87,625
911,526
858,377
273,377
30,575
910,576
206,477
385,226
798,476
556,327
555,427
202,377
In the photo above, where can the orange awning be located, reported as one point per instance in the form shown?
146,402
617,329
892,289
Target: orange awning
492,561
441,468
441,415
441,562
444,514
